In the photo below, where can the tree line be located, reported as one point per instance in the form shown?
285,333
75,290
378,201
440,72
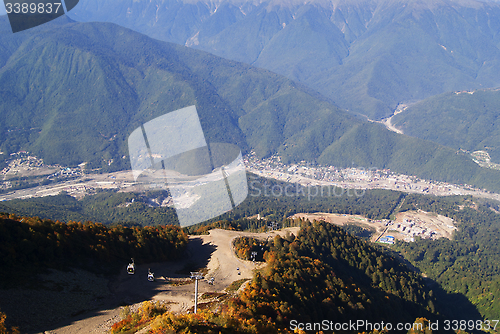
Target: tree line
31,242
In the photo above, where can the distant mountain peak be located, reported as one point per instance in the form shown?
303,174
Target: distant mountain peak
337,3
366,55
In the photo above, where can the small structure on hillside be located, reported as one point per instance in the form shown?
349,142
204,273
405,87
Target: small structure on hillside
389,239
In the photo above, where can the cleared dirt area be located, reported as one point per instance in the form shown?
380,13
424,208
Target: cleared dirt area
334,218
212,254
342,219
29,171
406,226
411,224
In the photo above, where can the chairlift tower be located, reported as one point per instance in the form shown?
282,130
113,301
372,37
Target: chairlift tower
254,254
196,275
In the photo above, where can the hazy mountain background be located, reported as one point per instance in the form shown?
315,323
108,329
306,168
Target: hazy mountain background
73,92
366,55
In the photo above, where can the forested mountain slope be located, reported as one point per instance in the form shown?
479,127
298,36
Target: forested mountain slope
29,244
322,273
468,264
467,120
366,55
73,92
52,271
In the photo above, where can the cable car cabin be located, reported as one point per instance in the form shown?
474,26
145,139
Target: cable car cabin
131,268
151,276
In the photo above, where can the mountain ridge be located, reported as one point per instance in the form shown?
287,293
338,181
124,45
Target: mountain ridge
464,120
367,56
90,89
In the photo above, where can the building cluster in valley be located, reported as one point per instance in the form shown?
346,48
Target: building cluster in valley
416,228
354,177
408,230
22,170
22,159
412,224
405,226
22,166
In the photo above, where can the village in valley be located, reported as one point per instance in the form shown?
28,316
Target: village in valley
406,226
412,224
355,177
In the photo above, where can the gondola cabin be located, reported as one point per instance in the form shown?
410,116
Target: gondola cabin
151,276
131,268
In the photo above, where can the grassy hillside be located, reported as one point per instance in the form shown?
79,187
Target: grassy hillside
93,90
383,148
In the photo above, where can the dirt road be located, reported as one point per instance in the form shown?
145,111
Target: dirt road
213,252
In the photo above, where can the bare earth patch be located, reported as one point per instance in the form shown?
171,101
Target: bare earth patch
213,253
406,226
